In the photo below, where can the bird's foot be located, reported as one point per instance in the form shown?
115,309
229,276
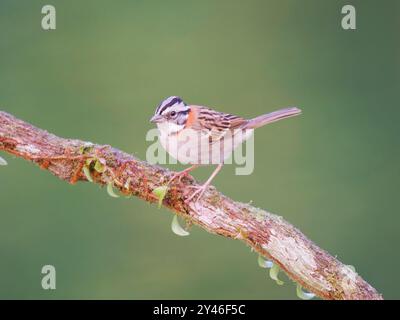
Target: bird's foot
181,174
197,193
178,175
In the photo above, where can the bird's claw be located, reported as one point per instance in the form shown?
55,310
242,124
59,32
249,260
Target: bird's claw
179,175
199,193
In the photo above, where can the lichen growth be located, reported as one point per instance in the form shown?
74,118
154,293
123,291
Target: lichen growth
273,273
87,174
177,228
110,190
3,162
160,193
303,295
100,165
86,148
241,234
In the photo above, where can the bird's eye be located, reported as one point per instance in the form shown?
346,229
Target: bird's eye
173,114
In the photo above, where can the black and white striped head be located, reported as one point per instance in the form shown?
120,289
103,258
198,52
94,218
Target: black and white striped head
172,112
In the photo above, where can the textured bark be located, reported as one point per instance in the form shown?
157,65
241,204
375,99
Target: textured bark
266,233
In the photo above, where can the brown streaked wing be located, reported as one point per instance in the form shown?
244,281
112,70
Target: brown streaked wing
216,123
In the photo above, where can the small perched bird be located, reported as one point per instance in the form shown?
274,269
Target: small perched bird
199,135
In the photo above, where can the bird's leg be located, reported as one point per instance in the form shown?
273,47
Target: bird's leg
182,173
200,190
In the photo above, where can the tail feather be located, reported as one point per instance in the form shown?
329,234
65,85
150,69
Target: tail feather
271,117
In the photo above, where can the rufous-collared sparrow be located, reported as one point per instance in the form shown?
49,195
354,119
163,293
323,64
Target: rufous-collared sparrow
199,135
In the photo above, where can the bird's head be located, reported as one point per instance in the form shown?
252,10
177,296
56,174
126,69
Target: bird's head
171,115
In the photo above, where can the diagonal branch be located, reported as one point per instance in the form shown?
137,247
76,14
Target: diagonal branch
268,234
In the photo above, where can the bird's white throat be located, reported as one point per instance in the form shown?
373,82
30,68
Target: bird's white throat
168,128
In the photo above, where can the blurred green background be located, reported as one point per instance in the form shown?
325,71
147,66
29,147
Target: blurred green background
333,172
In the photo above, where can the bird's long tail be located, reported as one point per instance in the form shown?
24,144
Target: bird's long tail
271,117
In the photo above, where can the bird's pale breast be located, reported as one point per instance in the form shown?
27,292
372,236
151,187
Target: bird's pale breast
201,147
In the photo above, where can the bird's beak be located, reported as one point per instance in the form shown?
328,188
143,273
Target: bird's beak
156,118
